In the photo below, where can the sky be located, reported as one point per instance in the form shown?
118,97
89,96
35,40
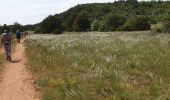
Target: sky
34,11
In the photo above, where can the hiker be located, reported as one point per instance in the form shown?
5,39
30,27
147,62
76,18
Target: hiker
6,41
18,36
22,35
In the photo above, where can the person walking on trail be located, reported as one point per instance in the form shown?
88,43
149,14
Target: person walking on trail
18,36
6,41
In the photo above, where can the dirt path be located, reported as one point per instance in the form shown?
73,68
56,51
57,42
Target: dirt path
17,83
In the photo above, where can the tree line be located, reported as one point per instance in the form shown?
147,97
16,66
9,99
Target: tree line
129,15
17,26
121,15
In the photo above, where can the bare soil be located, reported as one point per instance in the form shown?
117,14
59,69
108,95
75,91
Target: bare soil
17,82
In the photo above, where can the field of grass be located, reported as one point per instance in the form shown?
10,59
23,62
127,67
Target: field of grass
101,66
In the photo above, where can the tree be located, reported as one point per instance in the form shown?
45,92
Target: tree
81,22
132,1
121,0
95,25
5,27
69,23
160,1
16,26
136,24
51,24
113,22
71,19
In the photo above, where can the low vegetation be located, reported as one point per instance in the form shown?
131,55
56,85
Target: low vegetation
98,66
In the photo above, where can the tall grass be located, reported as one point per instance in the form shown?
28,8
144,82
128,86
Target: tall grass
101,66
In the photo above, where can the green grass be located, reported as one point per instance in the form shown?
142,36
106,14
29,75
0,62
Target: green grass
101,66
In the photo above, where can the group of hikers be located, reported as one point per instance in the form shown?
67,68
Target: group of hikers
7,39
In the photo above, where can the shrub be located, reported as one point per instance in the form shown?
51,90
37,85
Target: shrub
157,30
136,24
166,25
112,22
81,23
50,24
152,21
95,25
58,31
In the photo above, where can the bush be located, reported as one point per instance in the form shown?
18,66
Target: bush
112,22
152,21
50,24
166,25
81,23
95,25
58,31
136,24
157,30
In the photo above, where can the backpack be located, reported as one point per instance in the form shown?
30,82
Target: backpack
6,38
18,34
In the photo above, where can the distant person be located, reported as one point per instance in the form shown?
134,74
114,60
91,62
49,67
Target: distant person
18,36
6,41
26,33
22,34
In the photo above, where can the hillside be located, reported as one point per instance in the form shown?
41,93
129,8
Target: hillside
129,15
104,15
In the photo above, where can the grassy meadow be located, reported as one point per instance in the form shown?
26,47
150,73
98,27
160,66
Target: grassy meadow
101,66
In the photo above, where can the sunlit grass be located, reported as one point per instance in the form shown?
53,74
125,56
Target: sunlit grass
101,66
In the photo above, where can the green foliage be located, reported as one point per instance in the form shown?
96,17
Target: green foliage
152,20
81,22
4,27
136,24
133,2
112,22
57,31
167,26
16,26
108,15
105,13
166,23
12,28
158,30
95,25
51,24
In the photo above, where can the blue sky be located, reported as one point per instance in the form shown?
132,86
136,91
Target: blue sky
34,11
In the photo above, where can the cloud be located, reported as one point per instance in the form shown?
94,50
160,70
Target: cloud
39,6
33,11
